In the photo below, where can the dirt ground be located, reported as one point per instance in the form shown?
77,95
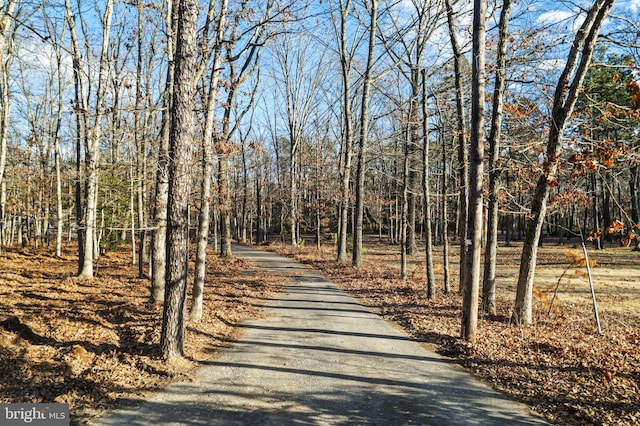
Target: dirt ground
94,343
560,365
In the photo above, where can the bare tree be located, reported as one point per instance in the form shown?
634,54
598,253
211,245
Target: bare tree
489,279
463,158
243,48
56,153
93,134
426,192
81,108
346,54
301,75
159,253
195,314
7,11
362,138
564,100
476,154
444,206
346,149
141,121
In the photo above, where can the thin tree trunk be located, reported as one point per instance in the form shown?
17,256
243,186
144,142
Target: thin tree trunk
445,221
364,129
405,210
56,159
431,279
633,194
140,138
4,220
132,214
293,191
245,191
597,240
59,210
158,277
347,143
318,201
5,26
225,209
92,151
259,206
81,130
489,279
414,126
195,314
463,160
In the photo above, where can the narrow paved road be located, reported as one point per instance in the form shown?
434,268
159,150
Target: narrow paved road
319,358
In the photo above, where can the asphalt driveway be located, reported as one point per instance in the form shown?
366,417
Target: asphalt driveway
319,358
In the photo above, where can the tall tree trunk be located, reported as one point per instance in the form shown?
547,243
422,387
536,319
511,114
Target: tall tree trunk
56,156
244,219
182,122
195,314
4,220
476,154
259,207
159,248
463,159
364,130
318,196
414,127
59,210
445,221
564,100
132,212
92,151
346,150
6,24
405,209
431,279
444,207
6,17
489,279
140,128
81,107
293,190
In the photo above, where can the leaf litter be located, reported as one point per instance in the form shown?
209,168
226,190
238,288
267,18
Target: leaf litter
94,344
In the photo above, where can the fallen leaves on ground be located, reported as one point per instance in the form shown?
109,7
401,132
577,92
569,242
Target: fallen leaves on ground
92,343
559,366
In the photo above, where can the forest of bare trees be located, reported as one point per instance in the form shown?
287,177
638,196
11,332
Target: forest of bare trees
160,123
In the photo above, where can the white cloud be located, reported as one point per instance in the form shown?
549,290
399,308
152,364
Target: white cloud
554,17
568,20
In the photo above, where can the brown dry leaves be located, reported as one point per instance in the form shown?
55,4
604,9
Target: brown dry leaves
559,366
93,343
90,343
